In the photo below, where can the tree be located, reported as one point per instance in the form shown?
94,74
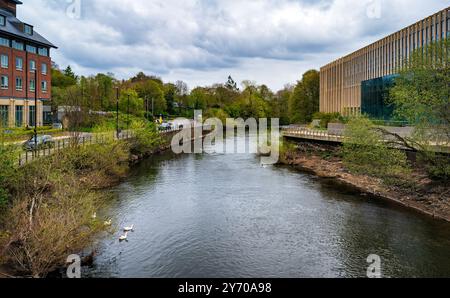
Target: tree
182,88
231,84
131,103
170,92
421,95
68,72
153,92
365,152
280,105
105,90
305,99
198,99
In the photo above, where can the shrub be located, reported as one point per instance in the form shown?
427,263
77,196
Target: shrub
365,152
8,156
326,118
146,138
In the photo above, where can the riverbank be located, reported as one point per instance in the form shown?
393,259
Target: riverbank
418,193
56,215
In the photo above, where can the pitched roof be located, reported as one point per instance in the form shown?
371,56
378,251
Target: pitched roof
13,27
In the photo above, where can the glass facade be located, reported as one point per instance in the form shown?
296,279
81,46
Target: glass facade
4,116
19,116
375,96
32,115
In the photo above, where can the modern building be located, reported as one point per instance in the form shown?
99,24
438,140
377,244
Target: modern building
25,70
358,82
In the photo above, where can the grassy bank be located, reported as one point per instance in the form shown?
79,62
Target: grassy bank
48,205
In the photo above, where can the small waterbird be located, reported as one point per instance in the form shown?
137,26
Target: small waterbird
94,216
123,237
108,223
129,229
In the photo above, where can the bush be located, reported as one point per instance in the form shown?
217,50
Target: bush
365,152
146,138
7,169
326,118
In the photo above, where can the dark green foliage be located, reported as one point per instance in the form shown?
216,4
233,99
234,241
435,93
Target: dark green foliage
305,99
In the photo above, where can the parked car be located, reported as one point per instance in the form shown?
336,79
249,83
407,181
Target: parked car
57,126
165,126
42,142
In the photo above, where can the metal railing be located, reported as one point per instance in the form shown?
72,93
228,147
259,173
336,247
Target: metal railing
74,141
70,142
311,134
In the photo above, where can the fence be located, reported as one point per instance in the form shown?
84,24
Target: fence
311,134
83,140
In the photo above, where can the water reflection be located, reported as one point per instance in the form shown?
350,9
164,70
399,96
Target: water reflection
226,216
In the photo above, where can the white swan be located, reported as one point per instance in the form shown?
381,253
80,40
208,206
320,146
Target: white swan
108,223
128,229
94,216
123,237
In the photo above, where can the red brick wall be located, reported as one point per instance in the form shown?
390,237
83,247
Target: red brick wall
26,74
8,5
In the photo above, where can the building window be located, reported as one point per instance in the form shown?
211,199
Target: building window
44,68
2,20
32,65
4,82
19,116
19,63
4,42
43,51
44,86
19,84
28,29
18,45
4,61
32,85
4,116
31,49
32,115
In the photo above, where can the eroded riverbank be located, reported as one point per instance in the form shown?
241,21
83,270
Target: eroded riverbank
432,199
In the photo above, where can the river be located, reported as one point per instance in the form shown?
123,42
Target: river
209,216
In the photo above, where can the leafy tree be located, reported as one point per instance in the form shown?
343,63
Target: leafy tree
366,152
153,92
280,105
421,95
170,93
305,100
131,103
198,99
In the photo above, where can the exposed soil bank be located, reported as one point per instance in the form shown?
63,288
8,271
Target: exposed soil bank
425,196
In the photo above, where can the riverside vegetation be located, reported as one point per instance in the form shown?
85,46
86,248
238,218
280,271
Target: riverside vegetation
47,206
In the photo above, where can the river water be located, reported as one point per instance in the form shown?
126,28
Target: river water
208,216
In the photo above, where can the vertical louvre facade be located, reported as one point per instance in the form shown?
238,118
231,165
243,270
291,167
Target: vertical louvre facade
341,80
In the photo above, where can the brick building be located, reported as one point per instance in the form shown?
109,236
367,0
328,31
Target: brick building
25,68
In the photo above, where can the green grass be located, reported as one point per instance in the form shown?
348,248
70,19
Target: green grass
22,134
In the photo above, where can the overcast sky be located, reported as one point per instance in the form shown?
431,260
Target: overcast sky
200,42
